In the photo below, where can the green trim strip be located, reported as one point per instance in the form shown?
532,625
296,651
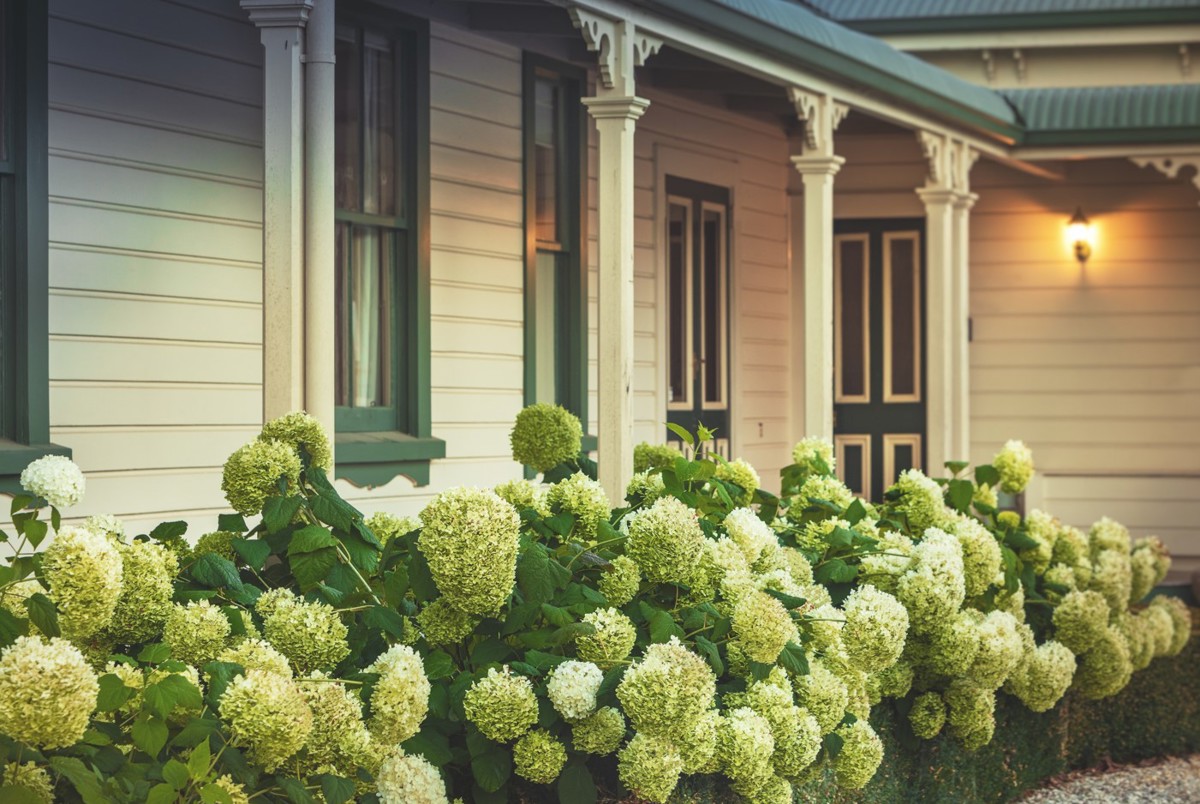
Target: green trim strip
1023,22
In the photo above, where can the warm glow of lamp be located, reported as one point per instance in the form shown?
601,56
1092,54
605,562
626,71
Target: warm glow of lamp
1079,235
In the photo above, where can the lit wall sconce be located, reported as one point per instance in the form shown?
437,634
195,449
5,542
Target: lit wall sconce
1079,235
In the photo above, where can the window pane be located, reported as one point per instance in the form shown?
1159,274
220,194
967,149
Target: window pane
365,323
379,126
678,343
904,322
852,357
347,113
545,157
713,307
546,327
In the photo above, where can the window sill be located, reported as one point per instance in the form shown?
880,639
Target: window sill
15,457
373,459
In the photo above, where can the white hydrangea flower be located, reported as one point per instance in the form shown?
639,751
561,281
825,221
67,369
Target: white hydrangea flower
751,533
56,479
573,687
105,525
409,779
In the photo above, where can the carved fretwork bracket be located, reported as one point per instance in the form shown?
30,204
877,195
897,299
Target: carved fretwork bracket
821,116
619,47
1171,166
950,162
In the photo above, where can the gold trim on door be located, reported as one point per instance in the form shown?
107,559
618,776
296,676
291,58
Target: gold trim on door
840,442
838,350
914,239
890,442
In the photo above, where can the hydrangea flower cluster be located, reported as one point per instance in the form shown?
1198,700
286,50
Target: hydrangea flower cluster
742,475
311,635
814,456
147,584
470,539
666,541
501,705
546,435
56,479
654,456
1015,464
572,689
47,692
301,432
584,499
84,573
254,471
400,699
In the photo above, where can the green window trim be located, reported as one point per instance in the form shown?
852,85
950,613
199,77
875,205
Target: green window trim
24,258
374,446
571,334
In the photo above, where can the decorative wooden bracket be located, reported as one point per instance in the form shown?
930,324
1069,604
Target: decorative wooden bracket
821,115
619,46
950,162
1171,166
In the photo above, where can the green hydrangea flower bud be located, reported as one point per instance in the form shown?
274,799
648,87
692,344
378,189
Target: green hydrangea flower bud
311,635
742,475
1112,576
927,715
654,456
300,431
985,495
256,654
502,706
619,582
668,690
1181,621
611,640
753,536
1000,650
84,573
1108,534
253,472
933,588
797,738
470,539
599,733
644,488
148,576
745,747
861,753
971,713
650,767
1080,620
697,745
387,526
921,500
763,627
337,727
237,794
1045,676
876,626
666,541
196,632
981,555
523,494
29,777
539,757
814,455
442,624
47,692
954,644
584,499
827,488
219,542
823,694
267,714
895,681
1105,668
546,435
400,699
1015,464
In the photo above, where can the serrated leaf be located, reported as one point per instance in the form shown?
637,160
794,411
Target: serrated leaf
956,467
959,493
149,733
833,744
420,578
491,764
166,531
176,773
840,538
81,777
333,511
543,661
35,531
987,475
199,760
793,659
231,523
216,572
438,664
43,613
155,653
253,551
662,626
164,793
556,615
712,655
113,693
211,794
683,434
11,627
309,539
297,793
788,601
311,568
196,731
856,512
278,512
576,786
533,574
336,789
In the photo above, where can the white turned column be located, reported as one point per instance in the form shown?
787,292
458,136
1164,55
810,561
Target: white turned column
961,444
615,121
817,164
319,269
817,172
616,108
939,328
281,26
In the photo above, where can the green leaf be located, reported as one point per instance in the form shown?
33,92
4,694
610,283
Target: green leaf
231,523
35,531
43,613
310,538
712,654
176,773
840,538
197,730
438,664
490,651
682,433
166,531
987,475
543,661
163,793
1020,540
561,523
253,551
333,511
173,690
556,616
856,512
336,789
211,794
662,626
395,584
363,554
789,601
576,786
149,733
420,578
491,764
155,653
295,790
199,760
835,570
216,572
311,568
11,627
20,502
956,467
278,512
219,675
19,795
959,494
793,659
113,693
833,745
82,778
385,619
533,574
431,744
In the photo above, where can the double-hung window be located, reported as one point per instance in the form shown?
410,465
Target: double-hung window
555,279
24,362
382,249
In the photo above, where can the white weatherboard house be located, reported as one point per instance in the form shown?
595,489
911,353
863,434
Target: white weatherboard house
781,218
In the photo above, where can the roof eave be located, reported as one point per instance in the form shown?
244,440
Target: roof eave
1023,22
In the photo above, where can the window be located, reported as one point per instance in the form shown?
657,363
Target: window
24,363
382,249
555,279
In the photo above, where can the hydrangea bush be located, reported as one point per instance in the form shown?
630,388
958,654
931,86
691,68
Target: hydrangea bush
532,639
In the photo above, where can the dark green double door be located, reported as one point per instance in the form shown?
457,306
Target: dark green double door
879,351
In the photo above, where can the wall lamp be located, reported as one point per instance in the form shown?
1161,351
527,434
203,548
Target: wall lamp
1079,235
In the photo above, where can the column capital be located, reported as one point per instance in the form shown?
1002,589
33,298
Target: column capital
937,197
950,161
818,165
821,115
627,107
278,13
965,201
619,44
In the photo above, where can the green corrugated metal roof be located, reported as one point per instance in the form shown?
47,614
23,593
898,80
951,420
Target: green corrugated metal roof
1158,113
819,45
910,16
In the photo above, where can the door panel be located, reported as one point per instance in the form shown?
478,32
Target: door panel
879,351
697,300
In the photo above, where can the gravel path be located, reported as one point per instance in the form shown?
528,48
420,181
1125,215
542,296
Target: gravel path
1173,781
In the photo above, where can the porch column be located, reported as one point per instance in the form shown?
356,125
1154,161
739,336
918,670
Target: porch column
948,202
281,27
817,165
615,108
319,271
